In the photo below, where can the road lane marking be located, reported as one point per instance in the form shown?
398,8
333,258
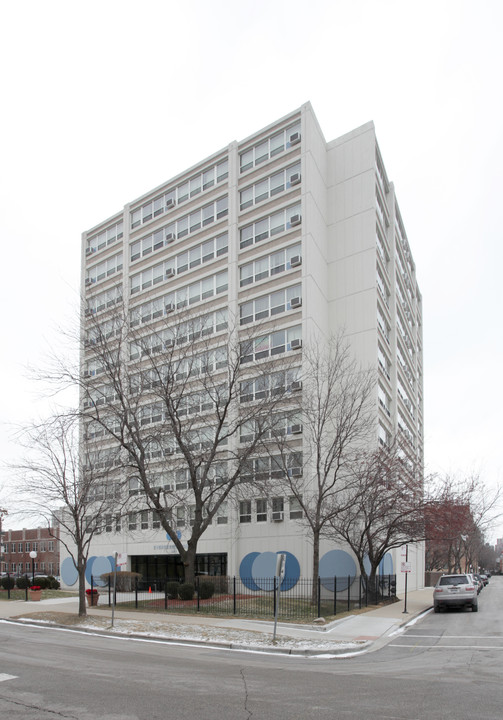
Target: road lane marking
4,676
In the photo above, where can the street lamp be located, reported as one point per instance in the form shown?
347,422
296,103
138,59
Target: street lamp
33,556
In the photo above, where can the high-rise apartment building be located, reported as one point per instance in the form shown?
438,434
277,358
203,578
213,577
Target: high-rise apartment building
294,237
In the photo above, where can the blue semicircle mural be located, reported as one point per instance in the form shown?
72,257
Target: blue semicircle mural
337,564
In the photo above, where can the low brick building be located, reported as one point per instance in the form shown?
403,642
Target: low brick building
17,545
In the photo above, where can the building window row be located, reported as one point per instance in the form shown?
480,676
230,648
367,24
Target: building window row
104,269
270,186
189,259
271,265
105,238
264,510
272,467
271,344
182,227
103,300
274,303
277,425
181,193
269,385
269,148
270,226
162,341
188,294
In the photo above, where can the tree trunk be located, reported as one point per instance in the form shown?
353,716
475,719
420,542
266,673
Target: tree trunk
189,563
316,566
82,586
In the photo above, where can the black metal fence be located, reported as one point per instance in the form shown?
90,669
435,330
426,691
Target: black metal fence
307,599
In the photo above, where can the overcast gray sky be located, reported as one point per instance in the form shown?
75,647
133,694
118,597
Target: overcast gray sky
103,101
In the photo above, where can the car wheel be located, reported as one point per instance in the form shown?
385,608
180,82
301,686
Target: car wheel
475,607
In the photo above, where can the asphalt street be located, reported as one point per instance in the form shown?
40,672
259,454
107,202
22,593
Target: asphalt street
445,666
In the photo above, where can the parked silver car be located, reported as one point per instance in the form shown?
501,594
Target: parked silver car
455,591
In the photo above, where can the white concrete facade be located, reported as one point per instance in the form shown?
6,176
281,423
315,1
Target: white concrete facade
330,204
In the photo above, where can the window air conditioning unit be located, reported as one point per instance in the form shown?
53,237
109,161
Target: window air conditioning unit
294,138
296,385
88,251
296,302
277,516
296,344
170,307
170,237
88,281
295,220
295,472
169,451
296,261
169,343
295,179
170,272
296,429
170,203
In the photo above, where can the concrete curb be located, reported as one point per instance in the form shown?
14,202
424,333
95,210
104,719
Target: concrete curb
216,644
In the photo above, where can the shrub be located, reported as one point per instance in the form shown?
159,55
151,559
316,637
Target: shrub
126,580
186,591
43,582
206,589
53,583
8,582
172,588
23,582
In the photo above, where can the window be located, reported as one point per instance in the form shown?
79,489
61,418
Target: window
270,226
156,520
50,546
269,187
245,511
104,269
270,265
42,567
277,508
42,547
132,521
104,238
144,519
27,547
269,305
261,507
180,193
20,547
295,509
269,148
222,514
180,516
275,343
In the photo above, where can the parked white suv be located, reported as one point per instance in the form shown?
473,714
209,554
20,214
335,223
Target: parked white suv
455,591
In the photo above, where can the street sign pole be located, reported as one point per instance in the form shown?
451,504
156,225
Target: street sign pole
115,585
278,579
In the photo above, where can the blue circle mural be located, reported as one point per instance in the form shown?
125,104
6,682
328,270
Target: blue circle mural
101,565
89,568
69,574
257,570
292,571
245,571
337,564
264,570
386,565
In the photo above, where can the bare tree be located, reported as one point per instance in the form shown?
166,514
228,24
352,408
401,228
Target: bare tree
165,398
384,505
337,420
69,491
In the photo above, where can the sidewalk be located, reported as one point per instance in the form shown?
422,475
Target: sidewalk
351,634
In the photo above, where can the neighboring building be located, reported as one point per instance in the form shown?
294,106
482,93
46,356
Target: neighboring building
281,224
19,543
